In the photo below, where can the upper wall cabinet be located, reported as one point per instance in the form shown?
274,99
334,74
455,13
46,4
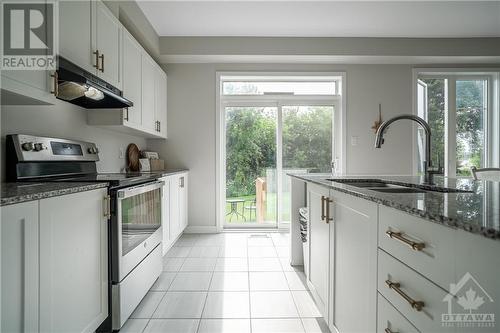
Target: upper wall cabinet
132,71
148,93
89,36
108,39
161,102
77,35
145,84
26,87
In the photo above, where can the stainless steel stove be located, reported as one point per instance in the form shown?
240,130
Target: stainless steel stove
136,209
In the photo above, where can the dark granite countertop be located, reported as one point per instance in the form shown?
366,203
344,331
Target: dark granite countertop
167,172
477,211
12,193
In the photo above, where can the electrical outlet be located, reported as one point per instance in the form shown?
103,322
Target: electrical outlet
354,140
122,153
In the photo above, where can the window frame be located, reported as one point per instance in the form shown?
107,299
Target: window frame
491,120
277,100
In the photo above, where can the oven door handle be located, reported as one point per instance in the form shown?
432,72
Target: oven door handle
140,189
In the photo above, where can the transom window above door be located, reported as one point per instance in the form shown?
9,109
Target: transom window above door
270,125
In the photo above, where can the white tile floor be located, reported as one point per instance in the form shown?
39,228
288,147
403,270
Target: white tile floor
228,283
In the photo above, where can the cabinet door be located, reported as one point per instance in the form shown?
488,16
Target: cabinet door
161,101
355,250
132,69
175,225
477,277
148,93
319,243
183,201
73,262
76,39
19,267
108,32
165,214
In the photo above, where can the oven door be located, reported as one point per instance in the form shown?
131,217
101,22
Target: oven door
138,225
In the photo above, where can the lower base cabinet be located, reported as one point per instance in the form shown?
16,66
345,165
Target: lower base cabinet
354,286
19,271
55,264
373,268
174,208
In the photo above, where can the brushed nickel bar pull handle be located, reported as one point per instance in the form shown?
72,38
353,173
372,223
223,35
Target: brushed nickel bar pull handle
328,201
396,286
107,206
159,126
96,53
55,80
417,246
388,330
102,63
323,216
126,114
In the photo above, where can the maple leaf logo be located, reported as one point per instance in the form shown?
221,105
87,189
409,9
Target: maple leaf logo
470,301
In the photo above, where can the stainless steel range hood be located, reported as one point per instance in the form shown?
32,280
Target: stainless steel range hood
77,86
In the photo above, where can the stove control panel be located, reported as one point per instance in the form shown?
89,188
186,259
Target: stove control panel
36,148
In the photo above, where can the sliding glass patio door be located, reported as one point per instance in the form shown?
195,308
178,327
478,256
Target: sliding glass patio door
264,141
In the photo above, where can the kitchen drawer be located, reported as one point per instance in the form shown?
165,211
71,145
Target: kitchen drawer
389,320
435,260
416,288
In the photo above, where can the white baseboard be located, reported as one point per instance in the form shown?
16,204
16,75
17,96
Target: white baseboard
201,229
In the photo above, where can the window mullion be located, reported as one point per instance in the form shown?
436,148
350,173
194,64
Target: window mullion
279,163
451,128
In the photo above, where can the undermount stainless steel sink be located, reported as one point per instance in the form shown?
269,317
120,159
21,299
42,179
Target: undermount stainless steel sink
388,187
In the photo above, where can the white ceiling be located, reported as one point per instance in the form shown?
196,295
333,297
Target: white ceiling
324,18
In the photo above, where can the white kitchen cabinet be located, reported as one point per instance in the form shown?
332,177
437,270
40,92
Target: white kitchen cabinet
19,267
183,200
161,101
132,71
165,215
478,270
318,277
143,79
148,93
178,204
90,37
73,262
27,87
390,320
108,40
77,34
355,268
174,208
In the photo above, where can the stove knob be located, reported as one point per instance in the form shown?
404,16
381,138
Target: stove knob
27,146
39,146
89,150
96,150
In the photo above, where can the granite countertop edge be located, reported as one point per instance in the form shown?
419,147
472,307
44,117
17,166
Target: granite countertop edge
11,195
454,223
165,173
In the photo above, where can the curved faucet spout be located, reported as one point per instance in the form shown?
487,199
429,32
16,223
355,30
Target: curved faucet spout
379,140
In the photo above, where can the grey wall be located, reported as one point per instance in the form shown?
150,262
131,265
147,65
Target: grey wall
66,120
192,121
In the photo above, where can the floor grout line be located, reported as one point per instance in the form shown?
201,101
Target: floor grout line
223,245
